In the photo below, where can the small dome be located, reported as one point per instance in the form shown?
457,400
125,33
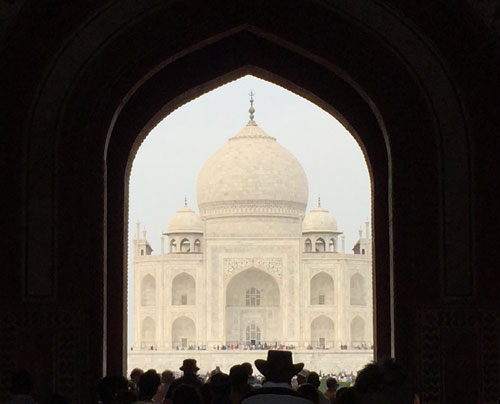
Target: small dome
319,220
185,220
252,167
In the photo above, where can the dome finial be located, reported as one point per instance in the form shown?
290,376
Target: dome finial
185,201
251,109
319,201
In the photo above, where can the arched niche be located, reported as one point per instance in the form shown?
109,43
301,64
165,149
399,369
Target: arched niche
148,330
357,290
322,291
197,246
185,246
183,290
358,336
253,297
320,245
183,333
148,291
331,245
322,332
262,283
173,246
308,245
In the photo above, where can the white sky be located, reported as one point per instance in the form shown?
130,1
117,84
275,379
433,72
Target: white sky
167,164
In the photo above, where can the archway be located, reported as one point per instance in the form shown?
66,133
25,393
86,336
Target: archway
148,291
183,333
183,290
421,95
253,297
357,290
358,337
322,332
322,289
148,332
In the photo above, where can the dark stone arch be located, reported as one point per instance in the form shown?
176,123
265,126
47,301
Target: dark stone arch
99,111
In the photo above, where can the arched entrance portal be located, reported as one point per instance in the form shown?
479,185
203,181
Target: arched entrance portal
253,309
183,333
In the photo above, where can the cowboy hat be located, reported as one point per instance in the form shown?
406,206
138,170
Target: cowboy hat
279,366
189,364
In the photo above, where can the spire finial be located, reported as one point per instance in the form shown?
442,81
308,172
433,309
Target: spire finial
319,201
251,109
185,201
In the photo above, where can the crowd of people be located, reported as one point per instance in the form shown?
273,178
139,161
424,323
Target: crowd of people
282,381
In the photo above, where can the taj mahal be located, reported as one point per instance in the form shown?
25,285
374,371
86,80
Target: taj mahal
252,270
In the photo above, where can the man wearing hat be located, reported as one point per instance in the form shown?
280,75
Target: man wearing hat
278,370
189,377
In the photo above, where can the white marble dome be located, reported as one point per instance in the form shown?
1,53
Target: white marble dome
185,220
252,171
319,220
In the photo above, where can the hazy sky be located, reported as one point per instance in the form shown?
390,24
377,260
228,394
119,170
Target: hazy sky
167,164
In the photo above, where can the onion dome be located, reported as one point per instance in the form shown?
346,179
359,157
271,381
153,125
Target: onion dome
185,220
319,220
252,174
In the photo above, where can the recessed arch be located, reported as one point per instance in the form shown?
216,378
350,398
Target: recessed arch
148,331
358,336
148,291
183,290
322,289
322,332
357,290
183,333
55,113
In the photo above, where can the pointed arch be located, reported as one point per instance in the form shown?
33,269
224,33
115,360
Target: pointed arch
148,291
357,290
357,331
322,289
183,290
183,333
320,245
322,332
308,245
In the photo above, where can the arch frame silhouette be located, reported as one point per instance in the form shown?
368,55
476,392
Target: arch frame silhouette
65,132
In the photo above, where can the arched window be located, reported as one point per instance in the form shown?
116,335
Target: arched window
322,289
142,251
197,245
320,245
173,246
332,245
183,290
308,246
253,334
357,332
252,297
322,332
357,290
185,246
148,291
183,333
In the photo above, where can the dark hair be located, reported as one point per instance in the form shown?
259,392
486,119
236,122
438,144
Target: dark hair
313,378
148,383
21,382
238,375
186,394
136,372
110,387
220,384
308,391
331,382
385,381
248,367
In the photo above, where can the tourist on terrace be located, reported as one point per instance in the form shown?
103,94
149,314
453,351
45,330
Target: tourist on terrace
278,371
